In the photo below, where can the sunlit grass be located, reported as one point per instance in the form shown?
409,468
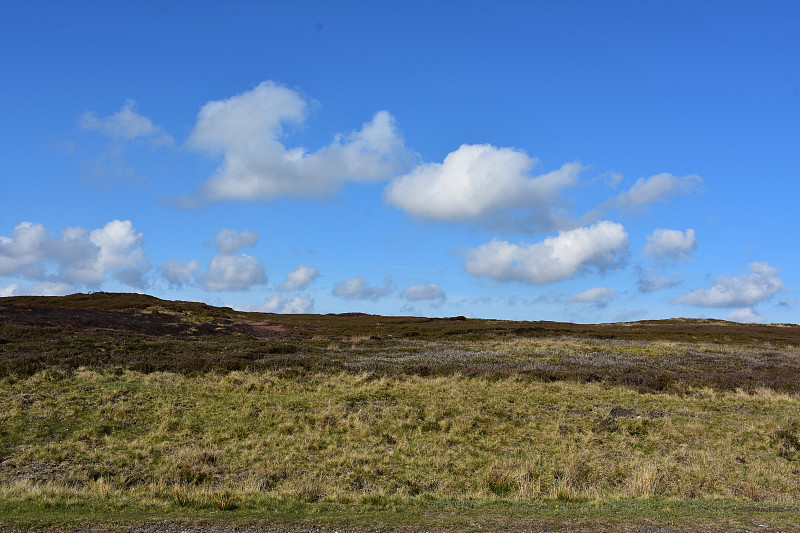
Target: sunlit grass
217,440
397,421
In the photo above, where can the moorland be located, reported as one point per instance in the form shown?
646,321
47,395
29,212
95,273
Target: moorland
121,410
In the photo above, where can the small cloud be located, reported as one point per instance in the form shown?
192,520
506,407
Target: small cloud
480,300
358,289
177,273
647,191
600,296
652,283
665,245
226,271
556,258
740,291
126,124
657,189
299,278
278,303
233,273
227,241
542,298
426,291
747,315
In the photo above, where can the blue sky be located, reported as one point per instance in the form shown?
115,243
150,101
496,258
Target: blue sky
554,160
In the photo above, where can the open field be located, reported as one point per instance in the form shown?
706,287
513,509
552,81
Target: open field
123,409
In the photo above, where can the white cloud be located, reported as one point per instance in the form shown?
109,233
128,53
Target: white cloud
358,289
739,291
280,304
554,259
476,180
646,191
177,273
596,295
226,271
670,245
299,278
247,130
657,189
21,254
747,315
120,251
9,290
233,273
228,241
426,291
48,288
77,255
126,124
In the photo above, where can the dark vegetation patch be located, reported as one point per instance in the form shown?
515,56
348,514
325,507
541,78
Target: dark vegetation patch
147,334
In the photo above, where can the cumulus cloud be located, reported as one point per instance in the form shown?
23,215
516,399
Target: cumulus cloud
599,296
475,181
283,305
77,255
739,291
227,272
556,258
747,315
126,124
228,241
357,288
670,245
22,254
247,129
177,273
426,291
298,279
119,251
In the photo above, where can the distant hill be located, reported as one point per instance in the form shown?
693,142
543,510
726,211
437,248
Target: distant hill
360,324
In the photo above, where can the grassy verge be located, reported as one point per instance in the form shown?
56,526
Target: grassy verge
345,448
468,515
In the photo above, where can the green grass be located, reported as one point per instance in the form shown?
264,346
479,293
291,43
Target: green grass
169,446
49,511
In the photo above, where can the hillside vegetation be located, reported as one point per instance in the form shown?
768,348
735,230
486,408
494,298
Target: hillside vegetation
120,409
